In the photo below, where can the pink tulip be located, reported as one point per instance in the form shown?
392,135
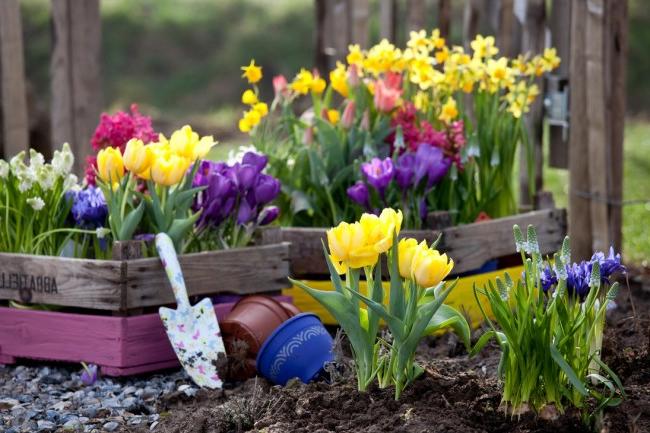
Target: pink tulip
353,75
348,115
280,86
387,92
308,136
365,121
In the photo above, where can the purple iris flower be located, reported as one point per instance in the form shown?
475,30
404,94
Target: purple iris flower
257,160
359,194
578,277
405,170
430,162
548,278
379,173
608,265
89,208
266,189
268,215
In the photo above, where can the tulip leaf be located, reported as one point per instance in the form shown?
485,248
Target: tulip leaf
334,275
395,325
179,229
155,206
447,316
130,223
396,301
377,290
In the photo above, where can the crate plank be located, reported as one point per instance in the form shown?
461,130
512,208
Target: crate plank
245,271
470,245
61,281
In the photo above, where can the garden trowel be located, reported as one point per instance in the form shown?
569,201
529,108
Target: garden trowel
192,330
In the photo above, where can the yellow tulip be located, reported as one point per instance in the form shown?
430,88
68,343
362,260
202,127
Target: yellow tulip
405,250
379,230
187,144
137,157
349,248
169,169
429,267
110,166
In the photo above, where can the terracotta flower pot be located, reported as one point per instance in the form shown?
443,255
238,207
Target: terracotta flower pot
247,327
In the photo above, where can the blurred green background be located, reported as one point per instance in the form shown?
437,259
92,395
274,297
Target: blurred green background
179,60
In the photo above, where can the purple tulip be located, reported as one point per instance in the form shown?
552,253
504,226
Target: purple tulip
358,193
267,189
257,160
378,173
89,375
268,215
404,170
430,162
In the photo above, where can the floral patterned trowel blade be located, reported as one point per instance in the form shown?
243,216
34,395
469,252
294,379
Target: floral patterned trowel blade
192,330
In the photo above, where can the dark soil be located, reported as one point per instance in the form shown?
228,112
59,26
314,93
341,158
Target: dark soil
456,394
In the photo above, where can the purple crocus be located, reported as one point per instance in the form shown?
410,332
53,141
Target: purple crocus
266,189
359,194
405,170
89,375
268,215
89,208
430,162
257,160
379,173
216,200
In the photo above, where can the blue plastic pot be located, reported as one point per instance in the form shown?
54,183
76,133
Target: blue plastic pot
299,347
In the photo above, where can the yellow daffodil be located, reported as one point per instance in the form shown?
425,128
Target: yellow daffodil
551,60
437,41
261,108
449,110
303,82
333,116
249,121
339,79
318,85
355,55
169,169
405,250
484,47
137,157
252,72
429,267
249,97
110,165
419,41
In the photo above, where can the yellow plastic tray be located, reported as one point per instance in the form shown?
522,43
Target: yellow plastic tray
461,297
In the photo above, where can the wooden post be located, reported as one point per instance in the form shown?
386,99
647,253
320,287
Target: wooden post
75,68
533,37
337,35
579,212
470,21
320,55
444,17
387,19
416,15
560,39
359,15
13,123
508,31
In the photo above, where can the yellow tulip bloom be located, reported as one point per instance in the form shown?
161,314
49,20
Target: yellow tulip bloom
187,144
349,248
137,157
169,169
379,230
110,166
429,267
252,72
405,250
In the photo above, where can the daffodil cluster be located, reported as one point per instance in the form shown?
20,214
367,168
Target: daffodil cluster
33,205
257,109
549,327
164,167
413,308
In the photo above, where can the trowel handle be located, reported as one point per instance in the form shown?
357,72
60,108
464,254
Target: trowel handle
167,254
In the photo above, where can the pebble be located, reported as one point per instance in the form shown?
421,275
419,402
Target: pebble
48,399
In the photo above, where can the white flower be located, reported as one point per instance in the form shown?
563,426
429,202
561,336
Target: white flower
17,164
36,203
36,160
46,177
101,232
4,169
290,163
237,156
25,184
70,182
63,160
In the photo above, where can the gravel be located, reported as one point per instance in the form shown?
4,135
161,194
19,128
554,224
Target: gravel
50,399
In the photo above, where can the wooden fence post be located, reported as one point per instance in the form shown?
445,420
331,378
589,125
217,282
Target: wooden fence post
559,22
387,19
444,17
359,16
471,17
75,68
13,122
416,17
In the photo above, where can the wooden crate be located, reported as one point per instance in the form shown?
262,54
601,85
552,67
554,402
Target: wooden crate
470,245
119,345
131,284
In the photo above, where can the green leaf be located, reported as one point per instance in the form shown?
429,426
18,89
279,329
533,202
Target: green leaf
179,229
334,276
396,303
447,316
485,338
566,368
395,325
131,222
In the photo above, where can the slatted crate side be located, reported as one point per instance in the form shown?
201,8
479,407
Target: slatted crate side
84,283
470,245
242,271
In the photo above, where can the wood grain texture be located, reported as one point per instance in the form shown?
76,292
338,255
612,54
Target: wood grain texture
359,20
560,24
387,19
14,123
470,245
242,271
80,283
416,15
444,17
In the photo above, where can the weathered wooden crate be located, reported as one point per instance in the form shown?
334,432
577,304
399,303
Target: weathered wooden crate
470,245
130,284
112,331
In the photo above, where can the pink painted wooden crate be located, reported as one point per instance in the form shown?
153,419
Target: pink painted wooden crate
119,345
